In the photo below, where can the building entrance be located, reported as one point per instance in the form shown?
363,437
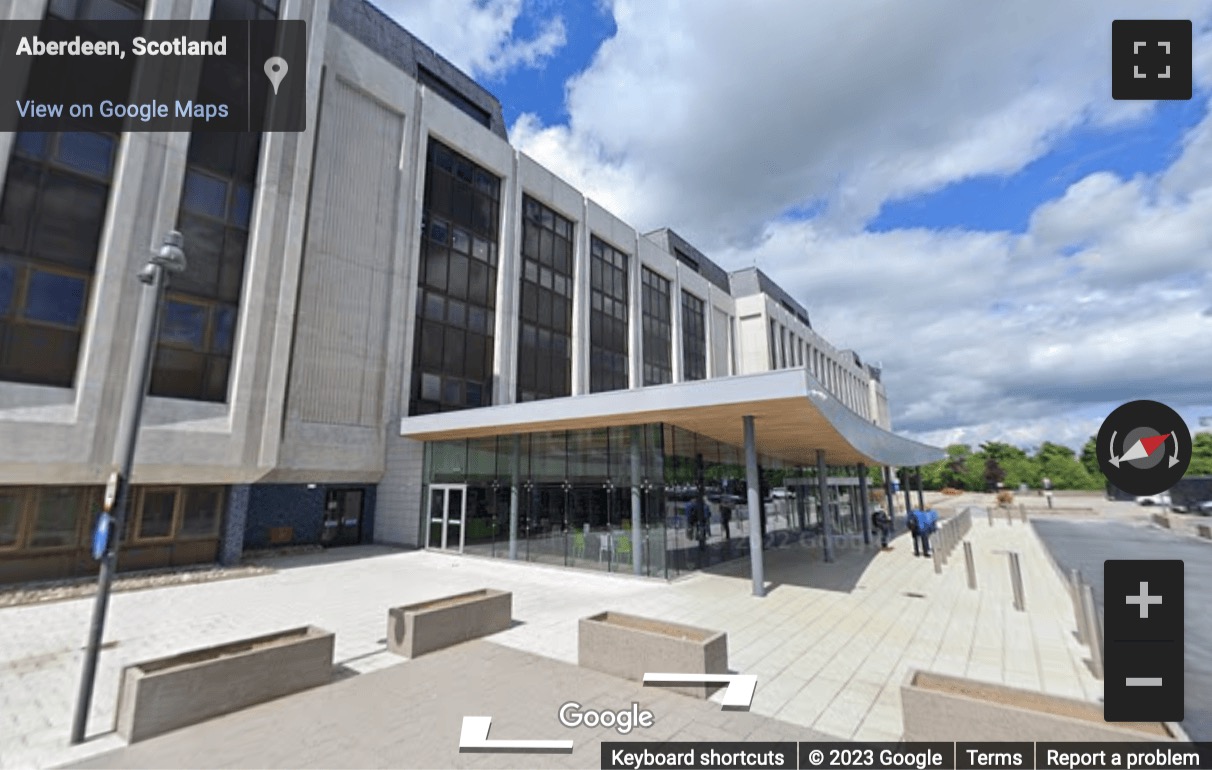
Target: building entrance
447,517
342,517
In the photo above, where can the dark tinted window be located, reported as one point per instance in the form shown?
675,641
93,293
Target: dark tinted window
694,338
456,302
608,310
545,342
658,328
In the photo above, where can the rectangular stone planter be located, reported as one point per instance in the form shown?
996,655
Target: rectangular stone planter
1161,520
937,707
416,629
1205,531
165,694
630,646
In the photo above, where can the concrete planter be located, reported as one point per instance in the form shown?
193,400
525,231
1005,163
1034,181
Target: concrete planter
427,626
938,707
1205,531
629,646
165,694
1161,520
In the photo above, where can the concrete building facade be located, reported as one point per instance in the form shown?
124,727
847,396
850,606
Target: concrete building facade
398,258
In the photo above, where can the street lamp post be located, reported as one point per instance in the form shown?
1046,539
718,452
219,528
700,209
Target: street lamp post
170,258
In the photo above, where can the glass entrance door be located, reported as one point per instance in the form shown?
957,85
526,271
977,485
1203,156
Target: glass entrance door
447,516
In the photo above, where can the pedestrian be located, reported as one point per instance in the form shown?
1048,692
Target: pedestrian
883,523
921,533
726,518
1048,490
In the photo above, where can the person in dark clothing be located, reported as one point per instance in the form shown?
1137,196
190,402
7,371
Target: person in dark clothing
883,524
726,518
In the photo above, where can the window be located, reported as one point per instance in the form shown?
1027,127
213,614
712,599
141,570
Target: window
444,90
545,344
201,511
694,338
10,517
193,358
686,259
657,328
456,306
59,513
52,211
156,513
608,346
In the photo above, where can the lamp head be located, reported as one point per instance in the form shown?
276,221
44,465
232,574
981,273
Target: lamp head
171,256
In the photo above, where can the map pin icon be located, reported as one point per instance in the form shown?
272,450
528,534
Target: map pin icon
275,70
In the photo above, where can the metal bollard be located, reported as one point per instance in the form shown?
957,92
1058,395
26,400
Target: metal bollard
970,563
1022,510
989,513
1075,596
1095,631
938,561
1009,518
1016,582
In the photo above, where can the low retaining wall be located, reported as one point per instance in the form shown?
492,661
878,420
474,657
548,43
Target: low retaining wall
630,646
938,707
160,695
419,628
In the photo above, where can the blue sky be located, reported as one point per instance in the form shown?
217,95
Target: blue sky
947,186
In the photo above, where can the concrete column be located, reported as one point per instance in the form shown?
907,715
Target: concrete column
865,504
580,304
635,318
822,477
231,545
921,500
515,478
801,504
637,542
888,496
905,483
755,509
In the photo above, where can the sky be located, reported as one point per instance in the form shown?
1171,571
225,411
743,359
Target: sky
947,186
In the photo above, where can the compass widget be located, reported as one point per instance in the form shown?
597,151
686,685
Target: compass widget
1144,447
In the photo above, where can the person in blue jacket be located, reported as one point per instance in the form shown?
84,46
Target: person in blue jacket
921,524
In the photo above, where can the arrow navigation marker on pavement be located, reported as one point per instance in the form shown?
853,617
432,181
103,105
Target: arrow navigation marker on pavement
474,737
737,696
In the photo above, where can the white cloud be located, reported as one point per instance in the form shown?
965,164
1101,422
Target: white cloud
478,35
718,121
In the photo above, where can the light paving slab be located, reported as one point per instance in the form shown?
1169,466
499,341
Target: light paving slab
824,636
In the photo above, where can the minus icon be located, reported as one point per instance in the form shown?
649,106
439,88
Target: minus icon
1143,681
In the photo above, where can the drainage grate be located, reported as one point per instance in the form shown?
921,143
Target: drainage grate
914,595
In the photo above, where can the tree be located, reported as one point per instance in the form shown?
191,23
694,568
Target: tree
1201,455
1060,464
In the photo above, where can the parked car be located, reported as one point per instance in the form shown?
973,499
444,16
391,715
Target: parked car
1161,498
1203,509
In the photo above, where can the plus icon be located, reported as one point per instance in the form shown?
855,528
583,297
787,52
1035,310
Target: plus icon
1151,59
1144,600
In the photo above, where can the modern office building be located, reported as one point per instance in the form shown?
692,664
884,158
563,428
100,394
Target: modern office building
394,327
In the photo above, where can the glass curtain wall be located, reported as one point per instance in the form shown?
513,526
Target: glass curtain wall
545,344
657,328
607,317
566,498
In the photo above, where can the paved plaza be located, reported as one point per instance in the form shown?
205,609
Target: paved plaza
830,644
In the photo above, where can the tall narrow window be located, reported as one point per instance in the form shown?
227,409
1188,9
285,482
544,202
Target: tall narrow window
52,210
774,344
607,317
657,328
457,296
545,342
694,338
201,305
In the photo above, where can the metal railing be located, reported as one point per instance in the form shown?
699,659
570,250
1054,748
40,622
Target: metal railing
949,534
1016,581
